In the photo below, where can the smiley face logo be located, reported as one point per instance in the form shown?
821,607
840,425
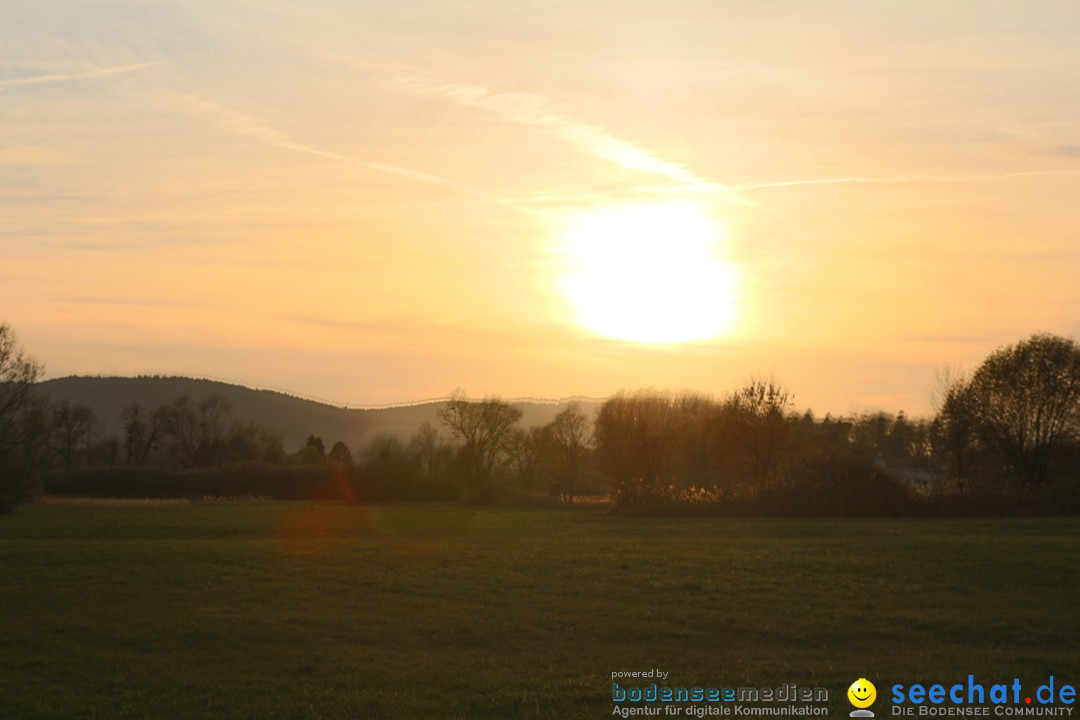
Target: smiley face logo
862,693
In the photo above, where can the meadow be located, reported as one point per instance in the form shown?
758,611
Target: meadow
322,610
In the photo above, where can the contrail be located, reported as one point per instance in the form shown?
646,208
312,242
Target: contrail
251,127
65,77
534,109
538,111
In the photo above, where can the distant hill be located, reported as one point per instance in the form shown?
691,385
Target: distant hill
293,418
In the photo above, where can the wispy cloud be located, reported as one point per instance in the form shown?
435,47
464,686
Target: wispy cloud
251,127
901,179
70,76
346,325
1069,150
125,301
539,111
950,338
33,155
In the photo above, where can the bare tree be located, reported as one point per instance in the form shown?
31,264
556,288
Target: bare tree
23,425
73,429
198,432
636,438
947,380
425,445
569,433
485,428
953,429
1026,403
248,442
763,406
523,455
142,432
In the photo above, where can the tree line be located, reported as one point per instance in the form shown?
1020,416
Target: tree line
1005,439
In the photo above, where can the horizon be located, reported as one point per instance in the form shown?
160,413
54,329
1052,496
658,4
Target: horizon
378,203
326,401
798,409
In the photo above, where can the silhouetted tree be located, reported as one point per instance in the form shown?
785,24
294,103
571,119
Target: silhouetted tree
73,429
104,451
835,433
341,453
316,442
433,455
524,453
1026,401
142,432
248,442
569,435
870,433
23,423
892,441
636,441
485,427
954,431
197,432
312,453
395,470
761,408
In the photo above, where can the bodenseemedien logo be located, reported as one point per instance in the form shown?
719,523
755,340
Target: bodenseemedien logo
862,694
715,700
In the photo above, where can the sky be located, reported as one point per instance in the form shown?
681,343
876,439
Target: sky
372,203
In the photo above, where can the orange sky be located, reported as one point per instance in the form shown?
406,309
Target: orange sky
381,202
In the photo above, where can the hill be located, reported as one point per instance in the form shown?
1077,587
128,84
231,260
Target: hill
293,418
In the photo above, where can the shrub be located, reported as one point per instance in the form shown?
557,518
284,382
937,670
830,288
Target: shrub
835,483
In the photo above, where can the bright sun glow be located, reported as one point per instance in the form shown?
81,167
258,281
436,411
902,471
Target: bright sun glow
649,273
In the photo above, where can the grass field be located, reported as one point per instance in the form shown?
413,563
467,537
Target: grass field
326,611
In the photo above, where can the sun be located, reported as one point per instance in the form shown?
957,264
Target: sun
649,273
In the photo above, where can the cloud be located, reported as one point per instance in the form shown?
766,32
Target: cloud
67,77
538,111
950,339
249,126
346,325
125,301
1066,150
33,155
901,179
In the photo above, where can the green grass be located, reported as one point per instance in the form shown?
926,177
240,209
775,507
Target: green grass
325,611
